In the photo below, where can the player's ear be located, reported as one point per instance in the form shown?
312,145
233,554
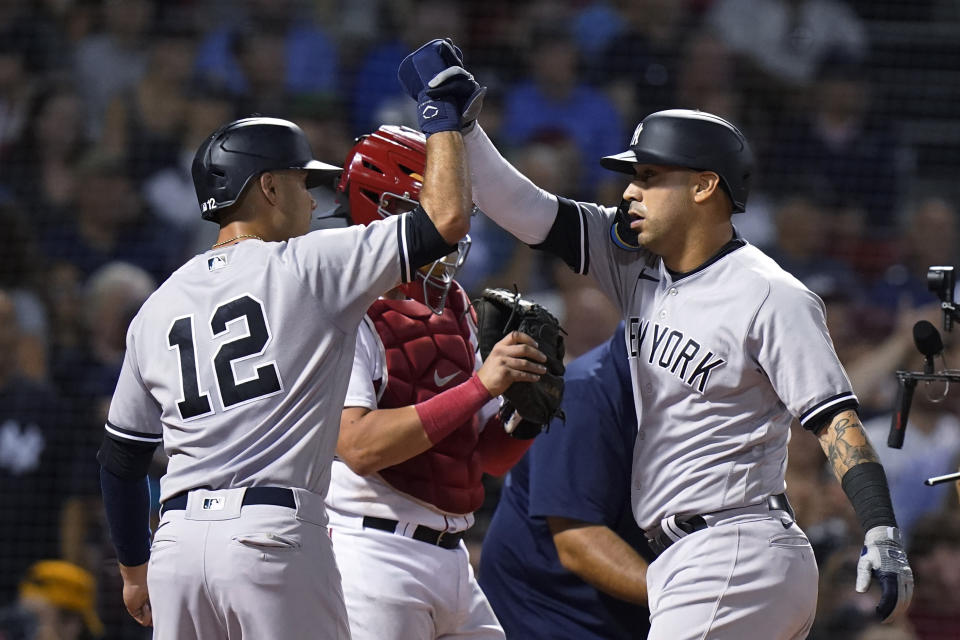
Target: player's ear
707,183
268,186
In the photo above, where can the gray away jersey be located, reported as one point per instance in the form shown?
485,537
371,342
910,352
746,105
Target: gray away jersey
721,361
240,361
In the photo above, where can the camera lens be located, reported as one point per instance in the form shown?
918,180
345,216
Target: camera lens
941,280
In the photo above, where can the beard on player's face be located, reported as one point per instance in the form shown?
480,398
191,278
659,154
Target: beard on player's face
663,219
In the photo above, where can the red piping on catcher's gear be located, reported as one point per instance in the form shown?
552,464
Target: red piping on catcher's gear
382,176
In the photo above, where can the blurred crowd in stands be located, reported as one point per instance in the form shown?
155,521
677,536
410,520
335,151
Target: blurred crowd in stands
103,102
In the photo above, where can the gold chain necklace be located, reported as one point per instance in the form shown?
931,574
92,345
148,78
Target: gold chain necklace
239,237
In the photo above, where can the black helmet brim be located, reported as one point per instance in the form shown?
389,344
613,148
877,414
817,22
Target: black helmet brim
321,174
621,162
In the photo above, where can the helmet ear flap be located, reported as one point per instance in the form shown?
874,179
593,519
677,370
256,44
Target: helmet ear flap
218,183
217,178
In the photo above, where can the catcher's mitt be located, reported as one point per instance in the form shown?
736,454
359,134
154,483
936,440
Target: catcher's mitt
527,407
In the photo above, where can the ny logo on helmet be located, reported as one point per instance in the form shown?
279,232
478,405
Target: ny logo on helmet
636,134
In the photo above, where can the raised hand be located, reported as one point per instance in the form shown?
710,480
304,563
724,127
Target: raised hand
423,65
448,97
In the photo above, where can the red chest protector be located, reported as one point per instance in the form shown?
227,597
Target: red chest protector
427,354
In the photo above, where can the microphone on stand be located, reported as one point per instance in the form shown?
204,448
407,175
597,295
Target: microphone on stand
898,425
928,342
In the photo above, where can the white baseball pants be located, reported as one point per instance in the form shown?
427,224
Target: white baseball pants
398,588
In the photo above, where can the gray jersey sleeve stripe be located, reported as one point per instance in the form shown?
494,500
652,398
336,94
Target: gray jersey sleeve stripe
830,404
127,434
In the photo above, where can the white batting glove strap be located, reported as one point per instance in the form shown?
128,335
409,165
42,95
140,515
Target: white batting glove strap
448,73
883,557
474,103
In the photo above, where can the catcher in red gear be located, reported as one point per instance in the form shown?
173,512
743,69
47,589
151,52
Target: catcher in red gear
419,428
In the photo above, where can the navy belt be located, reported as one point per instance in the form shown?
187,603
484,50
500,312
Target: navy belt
659,540
423,534
277,496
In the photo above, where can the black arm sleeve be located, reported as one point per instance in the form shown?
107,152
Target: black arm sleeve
423,242
126,502
125,458
568,239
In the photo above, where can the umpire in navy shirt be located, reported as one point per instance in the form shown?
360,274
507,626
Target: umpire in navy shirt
563,557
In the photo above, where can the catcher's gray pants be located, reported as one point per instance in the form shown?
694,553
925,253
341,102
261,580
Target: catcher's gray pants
745,577
219,571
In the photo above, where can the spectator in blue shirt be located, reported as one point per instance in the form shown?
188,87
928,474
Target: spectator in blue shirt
376,96
563,557
310,59
553,99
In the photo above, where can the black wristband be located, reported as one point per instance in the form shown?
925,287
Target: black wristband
866,486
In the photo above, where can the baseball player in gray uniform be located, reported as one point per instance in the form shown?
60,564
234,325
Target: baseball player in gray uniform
725,349
238,364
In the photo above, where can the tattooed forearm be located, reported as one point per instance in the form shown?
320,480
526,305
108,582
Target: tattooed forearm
846,444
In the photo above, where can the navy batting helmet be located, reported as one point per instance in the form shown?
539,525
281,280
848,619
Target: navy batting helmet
694,139
243,149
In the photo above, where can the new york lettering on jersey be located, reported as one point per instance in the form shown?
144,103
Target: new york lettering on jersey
664,349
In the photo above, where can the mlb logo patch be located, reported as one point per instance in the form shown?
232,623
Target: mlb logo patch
213,504
218,261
